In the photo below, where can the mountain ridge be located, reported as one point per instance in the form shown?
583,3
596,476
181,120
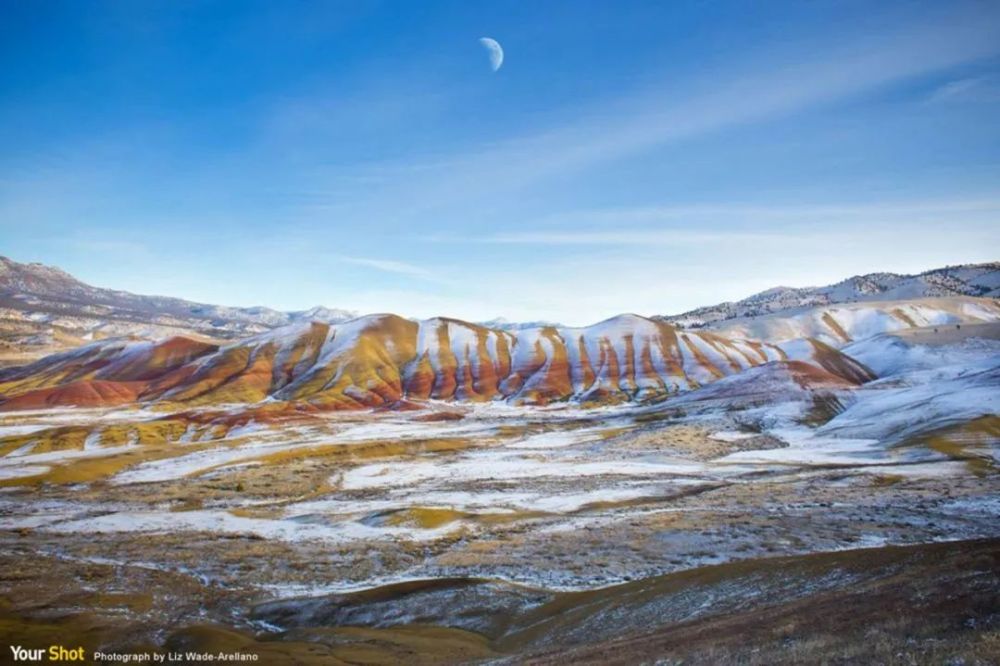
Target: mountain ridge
44,294
977,280
45,307
44,310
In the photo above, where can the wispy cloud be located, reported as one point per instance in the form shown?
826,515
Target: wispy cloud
638,237
387,266
113,247
728,224
733,211
969,88
953,89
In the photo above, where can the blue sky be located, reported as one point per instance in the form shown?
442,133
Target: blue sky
628,157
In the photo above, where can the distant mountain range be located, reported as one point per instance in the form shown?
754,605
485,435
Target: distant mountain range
319,359
44,310
981,280
504,324
47,308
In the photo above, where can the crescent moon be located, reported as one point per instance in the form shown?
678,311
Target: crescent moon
496,52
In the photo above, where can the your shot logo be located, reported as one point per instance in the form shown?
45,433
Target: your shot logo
53,653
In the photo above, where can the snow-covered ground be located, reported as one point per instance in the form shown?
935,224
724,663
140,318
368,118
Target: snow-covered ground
920,388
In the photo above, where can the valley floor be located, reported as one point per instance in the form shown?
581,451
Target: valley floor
460,534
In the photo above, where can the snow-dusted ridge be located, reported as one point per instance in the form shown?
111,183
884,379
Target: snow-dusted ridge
977,280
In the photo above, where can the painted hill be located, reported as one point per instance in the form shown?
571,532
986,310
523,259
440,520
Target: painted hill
977,280
385,360
45,308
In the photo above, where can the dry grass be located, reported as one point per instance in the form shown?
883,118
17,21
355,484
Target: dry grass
915,605
690,441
